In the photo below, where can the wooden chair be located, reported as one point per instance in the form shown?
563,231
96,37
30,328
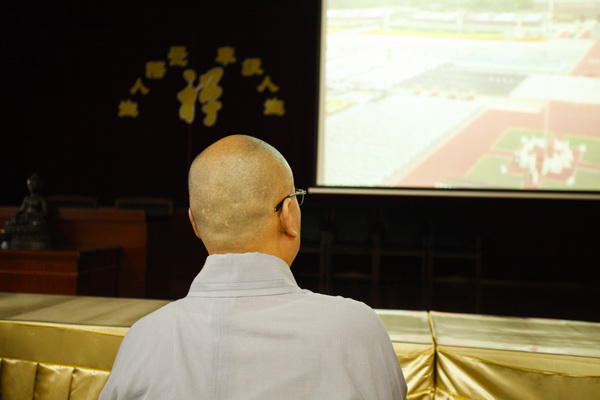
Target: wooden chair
154,206
402,235
455,236
72,201
352,243
315,239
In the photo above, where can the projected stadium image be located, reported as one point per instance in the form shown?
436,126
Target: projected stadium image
499,95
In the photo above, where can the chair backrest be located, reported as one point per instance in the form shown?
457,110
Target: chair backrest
353,225
314,224
402,227
154,206
454,228
72,201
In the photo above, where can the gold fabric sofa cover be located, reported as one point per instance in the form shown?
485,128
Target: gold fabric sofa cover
413,343
62,347
489,357
44,359
55,361
444,356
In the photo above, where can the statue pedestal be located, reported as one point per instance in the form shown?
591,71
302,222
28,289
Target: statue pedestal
29,236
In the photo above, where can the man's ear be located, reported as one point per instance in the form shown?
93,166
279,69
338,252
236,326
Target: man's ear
286,219
193,221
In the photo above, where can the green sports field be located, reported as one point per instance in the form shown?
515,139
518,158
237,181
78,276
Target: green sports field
498,167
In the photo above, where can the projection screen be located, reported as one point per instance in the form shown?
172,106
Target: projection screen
460,94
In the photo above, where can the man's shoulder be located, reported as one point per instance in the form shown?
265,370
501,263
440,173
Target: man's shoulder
158,317
343,311
330,301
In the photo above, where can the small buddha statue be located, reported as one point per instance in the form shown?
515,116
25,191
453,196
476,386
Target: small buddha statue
28,229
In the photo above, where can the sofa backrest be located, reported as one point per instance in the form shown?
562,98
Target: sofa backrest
55,361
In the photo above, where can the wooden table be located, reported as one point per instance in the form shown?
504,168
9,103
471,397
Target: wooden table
145,243
92,271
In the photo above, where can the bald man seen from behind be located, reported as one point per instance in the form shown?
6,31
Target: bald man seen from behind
246,331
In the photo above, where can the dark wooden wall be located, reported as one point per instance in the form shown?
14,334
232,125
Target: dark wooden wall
67,65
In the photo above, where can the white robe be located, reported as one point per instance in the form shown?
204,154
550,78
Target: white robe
247,331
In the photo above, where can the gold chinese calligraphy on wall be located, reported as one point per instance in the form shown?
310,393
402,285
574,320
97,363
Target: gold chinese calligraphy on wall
202,90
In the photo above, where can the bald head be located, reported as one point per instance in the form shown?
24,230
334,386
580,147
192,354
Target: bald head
234,186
